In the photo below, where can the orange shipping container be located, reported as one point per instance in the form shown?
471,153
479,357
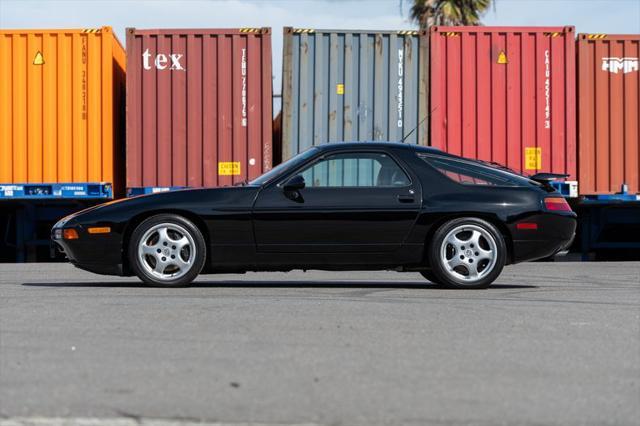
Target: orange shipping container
608,113
61,106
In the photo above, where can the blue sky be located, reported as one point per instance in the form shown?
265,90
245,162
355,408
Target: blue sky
601,16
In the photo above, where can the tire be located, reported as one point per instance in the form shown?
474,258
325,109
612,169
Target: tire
467,253
167,250
430,276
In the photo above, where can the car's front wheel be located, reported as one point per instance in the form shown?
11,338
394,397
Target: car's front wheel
467,253
167,250
429,275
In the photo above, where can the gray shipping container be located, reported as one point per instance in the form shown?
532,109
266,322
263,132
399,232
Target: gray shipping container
353,86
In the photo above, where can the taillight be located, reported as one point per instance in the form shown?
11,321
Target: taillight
557,204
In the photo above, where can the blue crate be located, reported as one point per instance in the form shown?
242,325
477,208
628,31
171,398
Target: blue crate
146,190
39,191
568,189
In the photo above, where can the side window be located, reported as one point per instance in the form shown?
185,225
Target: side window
468,173
361,169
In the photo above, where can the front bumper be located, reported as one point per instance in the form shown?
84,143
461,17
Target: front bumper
97,253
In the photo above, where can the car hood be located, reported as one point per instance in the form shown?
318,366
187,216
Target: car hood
198,201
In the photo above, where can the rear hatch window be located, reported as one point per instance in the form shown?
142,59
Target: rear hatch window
469,172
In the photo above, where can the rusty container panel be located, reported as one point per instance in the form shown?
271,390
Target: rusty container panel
608,113
505,94
198,106
61,103
353,86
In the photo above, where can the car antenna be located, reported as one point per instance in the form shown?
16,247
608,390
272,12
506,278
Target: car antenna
418,125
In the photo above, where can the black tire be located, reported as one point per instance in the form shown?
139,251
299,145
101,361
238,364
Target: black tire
430,276
453,279
173,222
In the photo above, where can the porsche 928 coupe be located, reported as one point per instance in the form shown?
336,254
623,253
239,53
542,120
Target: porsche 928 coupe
341,207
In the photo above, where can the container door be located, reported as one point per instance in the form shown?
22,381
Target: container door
354,202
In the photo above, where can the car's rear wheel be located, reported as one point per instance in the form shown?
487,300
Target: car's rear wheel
167,250
467,253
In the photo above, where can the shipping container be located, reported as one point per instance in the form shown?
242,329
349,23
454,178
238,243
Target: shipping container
199,106
506,95
353,86
61,109
608,113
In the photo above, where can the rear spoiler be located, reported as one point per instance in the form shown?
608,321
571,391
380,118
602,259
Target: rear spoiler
545,178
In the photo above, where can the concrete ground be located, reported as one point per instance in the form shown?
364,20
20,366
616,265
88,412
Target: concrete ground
549,343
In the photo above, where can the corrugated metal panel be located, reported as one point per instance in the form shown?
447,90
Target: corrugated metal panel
505,94
608,113
198,106
352,86
60,103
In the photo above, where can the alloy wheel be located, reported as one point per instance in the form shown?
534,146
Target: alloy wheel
167,251
468,253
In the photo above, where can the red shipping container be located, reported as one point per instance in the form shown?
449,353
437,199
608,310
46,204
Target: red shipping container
608,113
198,106
505,94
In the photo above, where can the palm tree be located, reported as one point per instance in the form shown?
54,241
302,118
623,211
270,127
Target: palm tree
448,12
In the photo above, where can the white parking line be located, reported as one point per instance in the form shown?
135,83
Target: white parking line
93,421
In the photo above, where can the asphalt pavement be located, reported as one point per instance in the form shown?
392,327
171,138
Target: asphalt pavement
548,344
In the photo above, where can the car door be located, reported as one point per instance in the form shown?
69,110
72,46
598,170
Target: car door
352,202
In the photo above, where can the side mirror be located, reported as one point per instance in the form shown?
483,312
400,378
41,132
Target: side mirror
296,183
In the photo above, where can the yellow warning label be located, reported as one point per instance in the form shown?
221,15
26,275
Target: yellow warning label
340,89
533,158
502,58
229,168
38,59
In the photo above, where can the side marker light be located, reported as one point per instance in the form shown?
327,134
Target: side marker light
99,230
527,226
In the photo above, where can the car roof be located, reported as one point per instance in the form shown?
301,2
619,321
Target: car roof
338,146
377,144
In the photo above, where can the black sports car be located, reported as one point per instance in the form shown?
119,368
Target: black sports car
340,206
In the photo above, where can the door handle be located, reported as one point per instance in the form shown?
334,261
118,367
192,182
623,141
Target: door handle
406,198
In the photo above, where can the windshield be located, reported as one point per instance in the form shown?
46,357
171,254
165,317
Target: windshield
292,162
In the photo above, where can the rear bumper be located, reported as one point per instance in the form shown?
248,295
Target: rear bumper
555,233
524,251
